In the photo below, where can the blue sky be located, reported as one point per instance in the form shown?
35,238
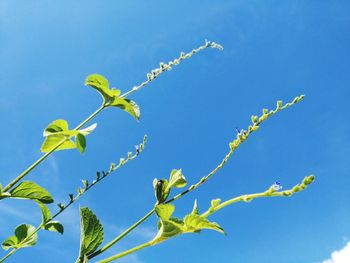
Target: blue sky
273,50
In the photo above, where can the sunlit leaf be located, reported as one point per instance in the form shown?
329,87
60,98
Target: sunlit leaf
127,105
51,142
177,179
25,236
100,83
30,190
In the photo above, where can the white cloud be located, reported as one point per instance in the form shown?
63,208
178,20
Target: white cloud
340,256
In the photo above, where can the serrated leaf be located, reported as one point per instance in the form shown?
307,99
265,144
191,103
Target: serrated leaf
88,130
25,236
91,233
100,83
127,105
177,179
30,190
51,142
81,142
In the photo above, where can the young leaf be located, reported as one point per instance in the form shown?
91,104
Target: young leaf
195,222
100,83
164,211
52,140
56,126
177,179
168,226
30,190
54,226
81,142
127,105
91,233
161,189
21,237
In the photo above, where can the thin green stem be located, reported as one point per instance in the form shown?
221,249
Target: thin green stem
124,253
42,158
112,169
30,168
241,137
127,231
8,255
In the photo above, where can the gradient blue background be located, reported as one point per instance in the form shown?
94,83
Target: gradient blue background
273,50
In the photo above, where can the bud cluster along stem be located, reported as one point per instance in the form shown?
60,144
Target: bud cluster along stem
150,77
240,138
81,191
66,138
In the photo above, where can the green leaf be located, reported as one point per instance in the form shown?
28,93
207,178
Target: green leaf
192,223
177,179
25,236
164,211
51,142
56,126
127,105
81,142
100,83
53,226
91,233
30,190
161,189
195,222
45,213
168,226
9,242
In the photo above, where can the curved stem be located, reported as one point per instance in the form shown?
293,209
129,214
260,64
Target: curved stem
124,253
241,137
127,231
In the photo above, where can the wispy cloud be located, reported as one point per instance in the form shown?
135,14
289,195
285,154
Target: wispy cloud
340,256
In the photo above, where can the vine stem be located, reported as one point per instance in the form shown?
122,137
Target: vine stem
8,255
42,158
125,253
127,231
241,137
150,77
76,198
